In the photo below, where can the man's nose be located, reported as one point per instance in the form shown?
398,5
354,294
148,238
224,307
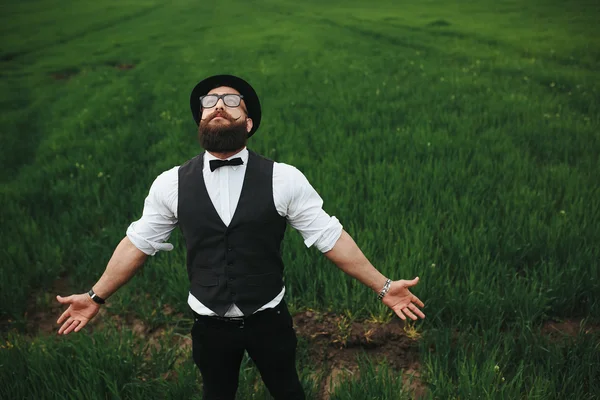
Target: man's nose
220,105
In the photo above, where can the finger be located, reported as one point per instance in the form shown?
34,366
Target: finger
412,282
65,325
63,317
409,313
416,300
73,326
64,300
399,313
81,325
416,310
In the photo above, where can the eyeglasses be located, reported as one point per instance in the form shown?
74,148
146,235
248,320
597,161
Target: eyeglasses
230,100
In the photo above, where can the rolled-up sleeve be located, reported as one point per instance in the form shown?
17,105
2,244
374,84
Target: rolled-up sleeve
299,202
159,217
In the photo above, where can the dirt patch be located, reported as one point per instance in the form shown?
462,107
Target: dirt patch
64,74
43,309
123,66
573,327
336,342
155,337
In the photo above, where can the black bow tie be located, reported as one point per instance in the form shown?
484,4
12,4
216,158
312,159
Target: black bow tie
214,164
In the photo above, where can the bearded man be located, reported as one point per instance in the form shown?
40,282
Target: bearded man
233,206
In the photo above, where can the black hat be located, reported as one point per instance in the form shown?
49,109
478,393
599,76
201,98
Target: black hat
250,96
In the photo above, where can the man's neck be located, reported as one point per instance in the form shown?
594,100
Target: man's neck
223,156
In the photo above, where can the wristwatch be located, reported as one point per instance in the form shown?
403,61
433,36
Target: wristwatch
386,288
95,297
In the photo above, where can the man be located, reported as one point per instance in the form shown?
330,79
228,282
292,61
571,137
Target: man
233,206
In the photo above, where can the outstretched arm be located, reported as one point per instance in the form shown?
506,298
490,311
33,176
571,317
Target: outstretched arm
350,259
124,263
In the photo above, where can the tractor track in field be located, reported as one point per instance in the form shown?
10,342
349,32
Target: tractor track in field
10,56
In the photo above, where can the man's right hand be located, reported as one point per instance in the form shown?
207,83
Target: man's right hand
81,309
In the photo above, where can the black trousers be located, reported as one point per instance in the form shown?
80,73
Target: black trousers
270,340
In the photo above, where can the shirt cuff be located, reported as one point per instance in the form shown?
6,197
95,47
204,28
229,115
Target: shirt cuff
146,246
326,239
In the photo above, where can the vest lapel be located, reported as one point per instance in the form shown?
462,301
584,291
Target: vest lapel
248,177
205,192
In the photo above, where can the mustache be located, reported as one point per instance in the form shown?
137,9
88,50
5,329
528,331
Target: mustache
221,114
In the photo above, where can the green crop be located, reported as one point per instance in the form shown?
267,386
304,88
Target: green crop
454,141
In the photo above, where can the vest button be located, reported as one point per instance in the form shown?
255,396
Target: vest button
230,263
231,279
229,249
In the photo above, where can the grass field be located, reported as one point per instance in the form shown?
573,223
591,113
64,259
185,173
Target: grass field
455,141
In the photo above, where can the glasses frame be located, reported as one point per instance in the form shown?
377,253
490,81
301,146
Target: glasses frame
222,97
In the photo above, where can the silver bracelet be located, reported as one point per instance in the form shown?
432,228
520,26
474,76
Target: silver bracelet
385,289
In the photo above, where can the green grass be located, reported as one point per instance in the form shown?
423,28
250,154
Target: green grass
457,142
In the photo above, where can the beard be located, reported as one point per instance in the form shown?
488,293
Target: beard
222,137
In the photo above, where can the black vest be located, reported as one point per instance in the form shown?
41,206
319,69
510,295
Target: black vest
240,263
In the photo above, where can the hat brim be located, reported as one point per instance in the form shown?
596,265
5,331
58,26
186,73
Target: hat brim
250,97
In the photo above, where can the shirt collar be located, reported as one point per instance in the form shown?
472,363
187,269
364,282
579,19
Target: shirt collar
243,154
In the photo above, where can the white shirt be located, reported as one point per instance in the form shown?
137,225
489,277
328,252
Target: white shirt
294,198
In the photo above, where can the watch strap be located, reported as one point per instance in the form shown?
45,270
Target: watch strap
95,297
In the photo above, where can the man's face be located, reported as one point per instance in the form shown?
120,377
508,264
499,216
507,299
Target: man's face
224,128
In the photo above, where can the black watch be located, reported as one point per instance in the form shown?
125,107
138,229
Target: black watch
95,297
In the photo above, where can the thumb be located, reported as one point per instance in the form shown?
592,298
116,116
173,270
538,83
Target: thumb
64,300
412,282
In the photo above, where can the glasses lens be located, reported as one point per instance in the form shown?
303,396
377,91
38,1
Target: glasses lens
231,100
209,101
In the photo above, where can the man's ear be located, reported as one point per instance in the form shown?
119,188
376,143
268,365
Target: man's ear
249,124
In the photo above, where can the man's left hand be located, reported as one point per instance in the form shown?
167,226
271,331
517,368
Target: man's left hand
402,301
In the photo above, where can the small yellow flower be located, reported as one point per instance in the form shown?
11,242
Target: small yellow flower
100,174
563,212
497,368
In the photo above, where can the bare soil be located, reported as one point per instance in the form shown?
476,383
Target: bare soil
68,73
557,330
335,341
64,74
